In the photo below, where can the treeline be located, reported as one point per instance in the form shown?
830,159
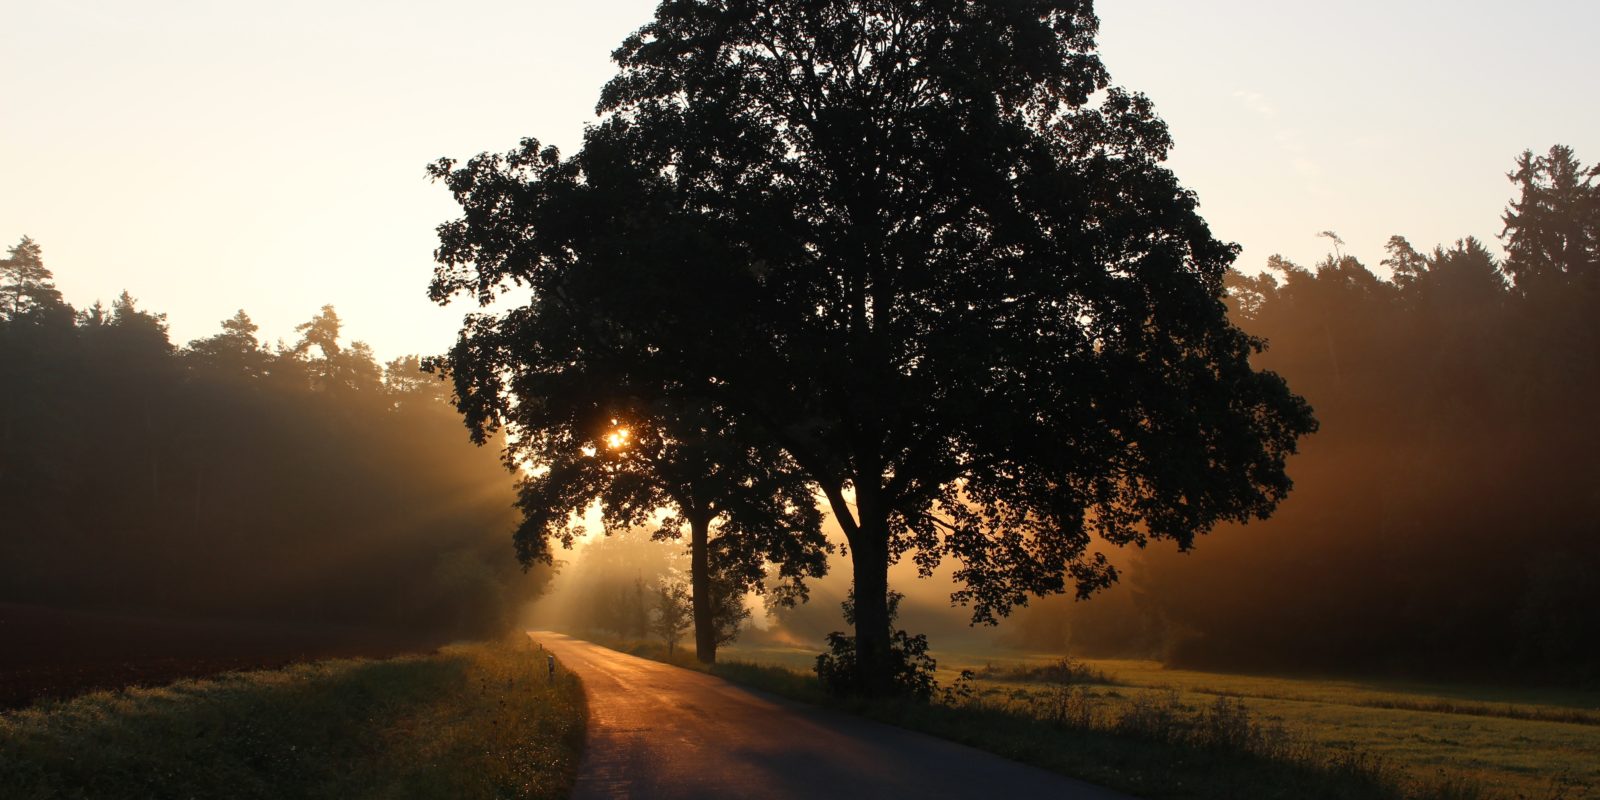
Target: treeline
1443,520
301,484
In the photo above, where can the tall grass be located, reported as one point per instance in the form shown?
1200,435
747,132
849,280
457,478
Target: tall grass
467,721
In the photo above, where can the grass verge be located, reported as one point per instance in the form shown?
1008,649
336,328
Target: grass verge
1159,745
466,721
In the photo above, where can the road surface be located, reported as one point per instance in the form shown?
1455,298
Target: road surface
661,732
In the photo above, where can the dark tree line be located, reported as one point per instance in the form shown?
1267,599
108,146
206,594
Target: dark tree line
1444,520
301,484
923,258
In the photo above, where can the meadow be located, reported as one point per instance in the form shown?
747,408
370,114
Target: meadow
467,721
1420,739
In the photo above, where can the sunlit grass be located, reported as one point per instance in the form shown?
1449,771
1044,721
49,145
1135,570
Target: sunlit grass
1510,740
1483,740
468,721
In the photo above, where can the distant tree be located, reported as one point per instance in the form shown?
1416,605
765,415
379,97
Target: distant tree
1552,229
630,610
235,350
408,383
37,342
321,332
1406,265
341,368
27,287
636,610
94,316
1465,274
139,329
932,253
1552,241
673,614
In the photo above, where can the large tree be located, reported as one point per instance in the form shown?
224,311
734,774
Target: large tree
931,251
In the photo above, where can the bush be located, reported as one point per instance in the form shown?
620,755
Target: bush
911,668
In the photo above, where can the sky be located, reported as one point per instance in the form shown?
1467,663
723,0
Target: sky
211,156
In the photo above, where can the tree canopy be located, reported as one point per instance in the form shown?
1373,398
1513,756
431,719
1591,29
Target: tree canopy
928,250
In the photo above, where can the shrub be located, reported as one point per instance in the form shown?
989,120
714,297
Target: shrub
911,668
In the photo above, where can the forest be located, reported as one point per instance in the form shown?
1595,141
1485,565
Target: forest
1443,520
301,485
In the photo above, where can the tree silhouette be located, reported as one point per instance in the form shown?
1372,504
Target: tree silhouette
235,350
27,287
932,252
345,368
1552,230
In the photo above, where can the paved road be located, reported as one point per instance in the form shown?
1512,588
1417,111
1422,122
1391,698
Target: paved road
657,731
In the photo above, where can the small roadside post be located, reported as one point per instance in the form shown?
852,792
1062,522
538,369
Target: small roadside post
550,662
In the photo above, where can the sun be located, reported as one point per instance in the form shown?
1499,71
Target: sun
618,438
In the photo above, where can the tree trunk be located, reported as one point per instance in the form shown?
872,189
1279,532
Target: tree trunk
866,527
869,555
705,627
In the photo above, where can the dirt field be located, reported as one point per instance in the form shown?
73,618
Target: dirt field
57,653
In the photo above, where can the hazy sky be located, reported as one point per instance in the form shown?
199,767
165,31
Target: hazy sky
210,156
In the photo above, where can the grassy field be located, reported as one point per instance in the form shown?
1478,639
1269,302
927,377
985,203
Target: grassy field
466,721
1480,741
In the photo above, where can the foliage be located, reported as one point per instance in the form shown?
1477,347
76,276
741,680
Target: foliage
469,721
911,668
928,250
